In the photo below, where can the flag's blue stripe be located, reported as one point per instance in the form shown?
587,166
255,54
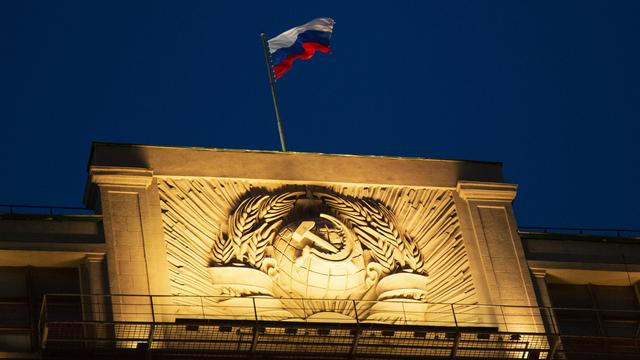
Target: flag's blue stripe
321,37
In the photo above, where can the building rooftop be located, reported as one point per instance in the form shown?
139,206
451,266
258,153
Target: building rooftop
293,166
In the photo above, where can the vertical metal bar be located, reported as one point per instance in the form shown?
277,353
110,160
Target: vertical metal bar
254,339
202,307
453,312
636,289
255,308
304,309
42,323
272,83
554,322
404,313
355,311
30,301
504,318
597,311
356,336
554,347
456,341
152,328
153,315
454,347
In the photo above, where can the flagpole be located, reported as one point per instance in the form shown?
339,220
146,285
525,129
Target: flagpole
272,82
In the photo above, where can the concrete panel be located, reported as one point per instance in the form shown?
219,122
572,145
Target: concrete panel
291,166
64,229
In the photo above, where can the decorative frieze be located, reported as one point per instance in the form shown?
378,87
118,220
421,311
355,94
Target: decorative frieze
326,243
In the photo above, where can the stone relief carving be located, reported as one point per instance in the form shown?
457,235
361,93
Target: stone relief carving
323,243
252,228
333,247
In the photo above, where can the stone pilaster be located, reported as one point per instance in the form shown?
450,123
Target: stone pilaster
540,278
95,299
136,260
540,275
492,239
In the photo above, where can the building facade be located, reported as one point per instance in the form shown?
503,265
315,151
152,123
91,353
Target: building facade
223,253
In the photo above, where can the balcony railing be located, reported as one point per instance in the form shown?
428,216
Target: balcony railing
256,327
627,233
16,209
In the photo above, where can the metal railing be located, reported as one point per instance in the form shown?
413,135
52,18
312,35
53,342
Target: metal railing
15,209
159,308
629,233
258,325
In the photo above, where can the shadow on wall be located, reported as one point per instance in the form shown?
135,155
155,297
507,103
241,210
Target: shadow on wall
117,155
121,155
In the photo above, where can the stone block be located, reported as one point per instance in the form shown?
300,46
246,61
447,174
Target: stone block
131,268
128,238
125,282
512,291
133,224
505,264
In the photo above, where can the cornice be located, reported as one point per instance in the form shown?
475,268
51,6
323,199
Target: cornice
94,257
486,191
538,272
120,176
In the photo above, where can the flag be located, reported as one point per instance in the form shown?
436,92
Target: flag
301,42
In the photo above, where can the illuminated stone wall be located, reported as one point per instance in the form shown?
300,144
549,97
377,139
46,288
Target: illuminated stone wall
406,233
423,222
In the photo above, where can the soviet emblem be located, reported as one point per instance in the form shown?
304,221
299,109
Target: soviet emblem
319,246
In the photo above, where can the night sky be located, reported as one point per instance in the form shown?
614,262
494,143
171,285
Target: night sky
549,88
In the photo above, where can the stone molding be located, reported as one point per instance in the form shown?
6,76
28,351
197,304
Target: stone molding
290,167
538,272
94,258
470,190
119,176
110,176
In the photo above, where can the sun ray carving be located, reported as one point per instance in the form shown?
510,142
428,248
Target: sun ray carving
412,229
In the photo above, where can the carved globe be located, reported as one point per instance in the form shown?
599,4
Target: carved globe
318,258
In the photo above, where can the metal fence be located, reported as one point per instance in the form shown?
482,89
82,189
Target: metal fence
626,233
17,209
252,327
159,308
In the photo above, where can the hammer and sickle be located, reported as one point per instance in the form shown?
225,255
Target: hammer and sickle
304,236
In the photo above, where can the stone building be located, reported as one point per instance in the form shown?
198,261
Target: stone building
192,252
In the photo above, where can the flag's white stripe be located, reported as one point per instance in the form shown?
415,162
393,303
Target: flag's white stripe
288,37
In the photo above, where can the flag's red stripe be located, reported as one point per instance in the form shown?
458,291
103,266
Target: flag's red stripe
309,49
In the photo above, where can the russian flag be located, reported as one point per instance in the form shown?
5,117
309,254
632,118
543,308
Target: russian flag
301,42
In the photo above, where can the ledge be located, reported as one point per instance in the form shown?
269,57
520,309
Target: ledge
486,191
120,176
292,166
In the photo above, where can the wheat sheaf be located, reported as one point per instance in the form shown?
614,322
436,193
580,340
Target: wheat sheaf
374,224
251,228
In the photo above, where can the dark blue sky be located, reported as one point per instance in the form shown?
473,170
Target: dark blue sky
550,88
